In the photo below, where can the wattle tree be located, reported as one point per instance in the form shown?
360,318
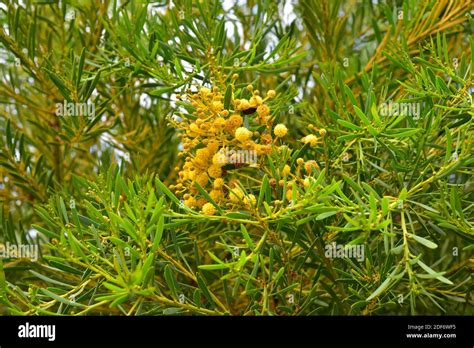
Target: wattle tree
244,158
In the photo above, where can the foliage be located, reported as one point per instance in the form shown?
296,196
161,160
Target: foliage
363,139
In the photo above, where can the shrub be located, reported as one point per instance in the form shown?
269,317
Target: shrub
253,159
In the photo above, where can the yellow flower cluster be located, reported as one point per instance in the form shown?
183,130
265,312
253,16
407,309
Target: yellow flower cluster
216,144
217,138
312,139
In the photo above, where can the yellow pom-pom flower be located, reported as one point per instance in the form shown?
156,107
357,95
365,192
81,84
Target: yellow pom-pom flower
208,209
219,122
236,120
200,202
310,139
217,195
219,159
202,179
263,110
308,166
190,202
218,183
203,154
280,130
217,106
242,134
215,171
194,128
255,101
212,146
205,91
244,104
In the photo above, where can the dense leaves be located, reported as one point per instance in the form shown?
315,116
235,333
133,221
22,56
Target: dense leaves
376,99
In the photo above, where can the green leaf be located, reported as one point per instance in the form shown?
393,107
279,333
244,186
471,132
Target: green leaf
162,187
50,280
349,125
427,243
62,208
159,91
385,284
323,216
402,133
228,97
58,81
158,234
361,115
375,115
80,67
215,267
433,273
203,287
46,232
246,235
92,86
349,93
171,281
61,299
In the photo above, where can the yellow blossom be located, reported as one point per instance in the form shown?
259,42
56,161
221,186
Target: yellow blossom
308,166
201,202
263,110
212,146
205,91
194,127
208,209
219,122
310,139
271,93
203,154
190,202
217,195
215,171
242,134
280,130
306,182
244,104
236,120
219,159
217,106
255,101
202,179
218,183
